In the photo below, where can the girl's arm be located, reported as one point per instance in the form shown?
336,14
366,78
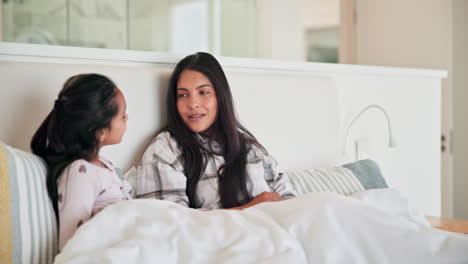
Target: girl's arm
77,192
160,174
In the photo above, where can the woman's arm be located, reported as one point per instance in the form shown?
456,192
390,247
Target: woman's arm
278,183
263,174
261,198
160,174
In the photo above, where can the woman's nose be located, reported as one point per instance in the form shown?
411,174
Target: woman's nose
194,103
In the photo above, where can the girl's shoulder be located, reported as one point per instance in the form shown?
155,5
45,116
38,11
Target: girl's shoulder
79,165
82,166
107,162
80,171
82,176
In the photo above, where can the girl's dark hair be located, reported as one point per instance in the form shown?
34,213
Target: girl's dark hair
235,140
84,106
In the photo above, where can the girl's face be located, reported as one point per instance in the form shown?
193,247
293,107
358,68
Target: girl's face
196,101
114,134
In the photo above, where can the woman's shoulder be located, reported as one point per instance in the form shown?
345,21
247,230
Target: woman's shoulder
163,144
255,153
164,139
164,135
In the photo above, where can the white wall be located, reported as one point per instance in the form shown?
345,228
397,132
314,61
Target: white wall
281,113
460,109
415,127
23,110
418,34
297,110
347,49
321,13
404,33
1,20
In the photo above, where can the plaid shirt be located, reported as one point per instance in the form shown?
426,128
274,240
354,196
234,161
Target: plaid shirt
161,175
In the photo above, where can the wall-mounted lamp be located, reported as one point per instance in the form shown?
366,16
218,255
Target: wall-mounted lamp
391,139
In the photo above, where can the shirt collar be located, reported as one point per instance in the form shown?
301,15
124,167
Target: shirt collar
200,138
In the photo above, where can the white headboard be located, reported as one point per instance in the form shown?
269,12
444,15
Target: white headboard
296,110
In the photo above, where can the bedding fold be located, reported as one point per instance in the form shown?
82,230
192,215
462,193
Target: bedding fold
313,228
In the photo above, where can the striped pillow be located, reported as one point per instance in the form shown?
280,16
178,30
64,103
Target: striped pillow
347,179
28,228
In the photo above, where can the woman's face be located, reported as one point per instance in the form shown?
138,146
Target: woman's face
196,101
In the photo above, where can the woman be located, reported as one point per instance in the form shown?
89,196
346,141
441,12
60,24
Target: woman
205,158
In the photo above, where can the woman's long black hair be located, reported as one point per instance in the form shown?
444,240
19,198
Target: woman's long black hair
235,140
84,106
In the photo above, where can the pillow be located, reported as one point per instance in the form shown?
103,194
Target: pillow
347,179
28,227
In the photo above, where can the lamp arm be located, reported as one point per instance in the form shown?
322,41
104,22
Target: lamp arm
359,115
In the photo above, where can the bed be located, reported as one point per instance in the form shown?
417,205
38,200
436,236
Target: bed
299,111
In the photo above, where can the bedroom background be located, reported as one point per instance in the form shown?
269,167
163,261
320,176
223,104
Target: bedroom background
416,34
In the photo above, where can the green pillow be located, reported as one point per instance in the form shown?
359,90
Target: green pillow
347,179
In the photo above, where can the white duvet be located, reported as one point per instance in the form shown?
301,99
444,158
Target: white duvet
371,227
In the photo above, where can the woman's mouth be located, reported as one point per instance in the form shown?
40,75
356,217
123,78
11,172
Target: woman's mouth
196,117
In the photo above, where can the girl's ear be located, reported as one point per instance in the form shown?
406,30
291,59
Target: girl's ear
101,135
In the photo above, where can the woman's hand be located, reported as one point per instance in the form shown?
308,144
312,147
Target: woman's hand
261,198
265,197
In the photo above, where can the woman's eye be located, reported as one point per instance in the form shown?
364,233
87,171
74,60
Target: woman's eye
181,95
204,92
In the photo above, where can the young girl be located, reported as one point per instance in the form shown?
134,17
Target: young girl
88,114
205,158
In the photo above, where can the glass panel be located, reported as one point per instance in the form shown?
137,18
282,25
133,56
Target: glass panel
238,28
149,25
188,26
226,27
97,23
322,44
34,21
